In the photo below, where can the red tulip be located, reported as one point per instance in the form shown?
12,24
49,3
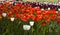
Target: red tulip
32,17
19,5
7,3
39,17
48,18
27,15
58,22
1,5
18,15
43,23
38,12
48,12
24,18
54,12
58,17
31,12
45,16
37,8
10,14
58,14
53,17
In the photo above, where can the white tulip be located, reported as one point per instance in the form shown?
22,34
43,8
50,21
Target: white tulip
46,2
21,2
31,23
50,3
48,8
42,9
26,27
58,9
36,3
39,3
53,4
2,2
31,2
4,14
12,19
11,2
57,4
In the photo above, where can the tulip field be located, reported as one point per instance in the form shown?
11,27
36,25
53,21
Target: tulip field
29,18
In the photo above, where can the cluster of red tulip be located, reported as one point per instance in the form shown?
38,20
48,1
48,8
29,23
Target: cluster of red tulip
26,12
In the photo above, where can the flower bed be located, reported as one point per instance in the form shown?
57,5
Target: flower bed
27,19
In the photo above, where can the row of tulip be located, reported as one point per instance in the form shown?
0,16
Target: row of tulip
25,17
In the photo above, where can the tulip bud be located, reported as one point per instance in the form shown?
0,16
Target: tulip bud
31,23
26,27
4,14
12,19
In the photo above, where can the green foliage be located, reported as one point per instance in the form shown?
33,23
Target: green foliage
16,28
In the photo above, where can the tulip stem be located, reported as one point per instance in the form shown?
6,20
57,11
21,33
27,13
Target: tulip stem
26,33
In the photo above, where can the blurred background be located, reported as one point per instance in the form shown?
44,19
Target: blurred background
34,0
